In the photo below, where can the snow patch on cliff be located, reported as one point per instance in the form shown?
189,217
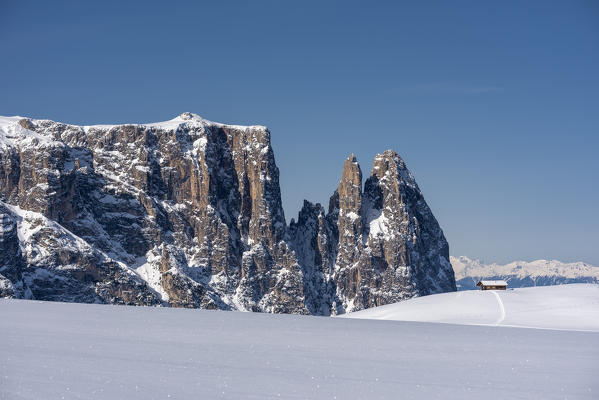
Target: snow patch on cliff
149,271
13,134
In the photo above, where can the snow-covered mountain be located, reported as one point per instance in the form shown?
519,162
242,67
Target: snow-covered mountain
522,273
188,213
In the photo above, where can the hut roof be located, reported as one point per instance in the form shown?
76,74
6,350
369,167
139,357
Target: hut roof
492,283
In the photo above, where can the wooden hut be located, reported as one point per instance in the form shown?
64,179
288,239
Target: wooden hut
492,285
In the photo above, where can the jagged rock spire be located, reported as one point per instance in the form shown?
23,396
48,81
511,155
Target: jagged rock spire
404,237
348,203
389,245
350,186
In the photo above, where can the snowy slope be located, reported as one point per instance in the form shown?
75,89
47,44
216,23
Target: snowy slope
82,351
522,273
571,307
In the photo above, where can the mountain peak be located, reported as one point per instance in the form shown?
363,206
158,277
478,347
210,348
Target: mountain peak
187,116
188,213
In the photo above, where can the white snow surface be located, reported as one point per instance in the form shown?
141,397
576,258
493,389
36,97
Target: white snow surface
149,271
568,307
378,225
494,283
185,118
11,134
81,351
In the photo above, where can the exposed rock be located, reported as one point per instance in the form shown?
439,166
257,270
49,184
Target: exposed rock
407,246
188,213
372,248
315,238
6,289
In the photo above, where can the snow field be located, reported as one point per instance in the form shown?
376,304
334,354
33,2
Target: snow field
81,351
570,307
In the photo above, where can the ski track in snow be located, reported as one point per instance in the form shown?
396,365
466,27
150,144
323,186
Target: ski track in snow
501,308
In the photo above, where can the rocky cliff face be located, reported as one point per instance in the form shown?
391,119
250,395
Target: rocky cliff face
188,213
376,246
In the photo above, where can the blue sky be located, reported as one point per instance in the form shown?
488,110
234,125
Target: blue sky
494,107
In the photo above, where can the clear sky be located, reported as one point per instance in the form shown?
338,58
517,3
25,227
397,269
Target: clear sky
494,107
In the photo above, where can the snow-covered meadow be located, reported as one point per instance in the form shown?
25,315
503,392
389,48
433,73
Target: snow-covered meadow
81,351
570,307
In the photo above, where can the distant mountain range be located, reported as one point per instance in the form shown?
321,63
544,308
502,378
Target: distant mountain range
522,273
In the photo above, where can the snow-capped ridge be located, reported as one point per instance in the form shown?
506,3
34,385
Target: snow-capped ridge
523,273
186,118
16,131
